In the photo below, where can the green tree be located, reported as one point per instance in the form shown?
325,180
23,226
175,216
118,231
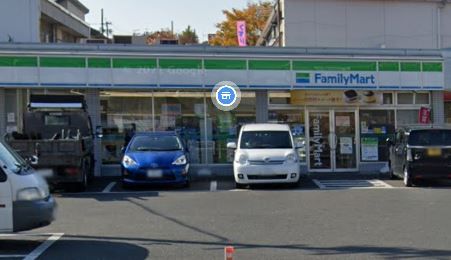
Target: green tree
255,15
188,36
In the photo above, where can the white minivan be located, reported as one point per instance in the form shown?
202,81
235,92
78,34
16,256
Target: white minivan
265,153
25,201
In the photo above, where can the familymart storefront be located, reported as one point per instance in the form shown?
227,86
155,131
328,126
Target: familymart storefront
341,104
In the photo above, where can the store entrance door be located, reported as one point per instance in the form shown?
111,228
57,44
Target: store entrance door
332,145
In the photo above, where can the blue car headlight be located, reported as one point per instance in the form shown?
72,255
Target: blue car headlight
128,162
180,161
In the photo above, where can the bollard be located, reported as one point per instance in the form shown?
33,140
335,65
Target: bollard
228,252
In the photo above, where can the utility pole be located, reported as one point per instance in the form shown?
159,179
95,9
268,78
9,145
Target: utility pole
172,28
102,28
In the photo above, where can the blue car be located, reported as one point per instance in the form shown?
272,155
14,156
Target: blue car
155,158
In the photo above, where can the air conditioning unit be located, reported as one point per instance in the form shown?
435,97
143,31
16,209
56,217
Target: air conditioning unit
93,41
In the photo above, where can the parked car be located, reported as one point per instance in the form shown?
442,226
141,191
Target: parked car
155,158
265,153
25,201
419,154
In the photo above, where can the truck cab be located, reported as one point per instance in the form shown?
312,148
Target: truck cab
25,201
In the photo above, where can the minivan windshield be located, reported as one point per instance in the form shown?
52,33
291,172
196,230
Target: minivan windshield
430,137
155,143
266,140
11,159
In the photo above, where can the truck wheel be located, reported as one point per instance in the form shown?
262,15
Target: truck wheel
83,185
408,182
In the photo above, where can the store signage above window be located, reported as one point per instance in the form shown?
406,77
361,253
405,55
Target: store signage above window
411,75
336,97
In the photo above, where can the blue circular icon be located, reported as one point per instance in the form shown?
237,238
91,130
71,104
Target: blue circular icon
226,96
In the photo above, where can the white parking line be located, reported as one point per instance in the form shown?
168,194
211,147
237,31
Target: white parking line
213,186
109,187
44,246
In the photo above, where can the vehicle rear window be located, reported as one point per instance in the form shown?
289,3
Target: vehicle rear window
155,143
430,137
52,120
266,140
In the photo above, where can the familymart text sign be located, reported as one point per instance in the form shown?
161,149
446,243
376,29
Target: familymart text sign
369,75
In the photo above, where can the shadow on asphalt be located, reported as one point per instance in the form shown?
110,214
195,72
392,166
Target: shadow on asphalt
69,248
372,251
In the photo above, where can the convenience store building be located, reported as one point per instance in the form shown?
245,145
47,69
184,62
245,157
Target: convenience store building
342,104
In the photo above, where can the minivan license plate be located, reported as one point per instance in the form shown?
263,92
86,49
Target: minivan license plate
154,173
433,152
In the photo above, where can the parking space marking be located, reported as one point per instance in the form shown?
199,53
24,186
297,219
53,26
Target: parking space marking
12,256
351,184
213,186
44,246
109,187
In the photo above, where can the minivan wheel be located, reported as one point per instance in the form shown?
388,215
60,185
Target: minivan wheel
239,185
407,178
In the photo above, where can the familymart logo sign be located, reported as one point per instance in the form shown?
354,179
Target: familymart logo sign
353,79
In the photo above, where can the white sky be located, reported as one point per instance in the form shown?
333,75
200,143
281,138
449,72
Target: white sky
140,15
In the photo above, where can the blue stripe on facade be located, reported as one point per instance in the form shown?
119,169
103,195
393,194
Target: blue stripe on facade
335,87
300,80
134,85
271,86
17,84
389,87
99,85
181,86
434,87
410,87
64,84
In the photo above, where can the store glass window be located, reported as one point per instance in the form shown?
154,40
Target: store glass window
407,117
422,98
375,127
223,127
296,120
123,114
387,98
183,112
405,98
279,97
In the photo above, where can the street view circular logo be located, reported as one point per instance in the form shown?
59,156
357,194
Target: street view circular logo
226,95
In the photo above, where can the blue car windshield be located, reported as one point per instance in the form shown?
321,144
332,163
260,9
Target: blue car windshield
155,143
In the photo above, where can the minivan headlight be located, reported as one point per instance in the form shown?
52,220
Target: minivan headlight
291,158
30,194
128,162
180,161
242,159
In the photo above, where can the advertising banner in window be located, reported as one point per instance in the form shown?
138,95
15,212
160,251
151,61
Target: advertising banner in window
336,98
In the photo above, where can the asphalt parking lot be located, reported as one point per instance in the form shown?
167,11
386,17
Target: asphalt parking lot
345,219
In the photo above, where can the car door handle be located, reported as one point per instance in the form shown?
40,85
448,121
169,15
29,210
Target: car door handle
2,206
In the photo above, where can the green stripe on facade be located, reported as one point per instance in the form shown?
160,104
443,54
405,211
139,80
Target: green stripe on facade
334,65
432,66
389,66
180,64
121,63
411,66
18,62
99,63
60,62
225,64
302,75
269,65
